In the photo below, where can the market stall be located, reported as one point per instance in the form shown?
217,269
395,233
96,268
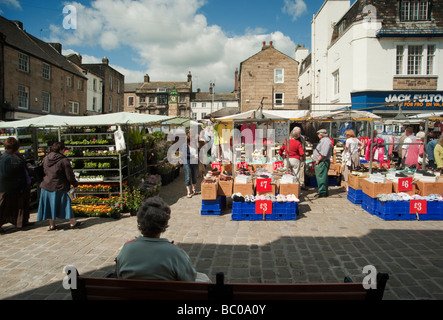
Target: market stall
247,166
399,192
108,154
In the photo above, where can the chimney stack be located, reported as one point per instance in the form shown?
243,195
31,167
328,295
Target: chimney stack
19,24
236,88
147,78
105,61
189,76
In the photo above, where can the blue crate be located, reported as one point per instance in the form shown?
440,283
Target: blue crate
434,211
217,204
369,204
248,207
280,207
355,195
246,217
394,210
332,181
237,207
210,212
281,216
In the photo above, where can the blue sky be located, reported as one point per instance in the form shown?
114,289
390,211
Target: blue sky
169,38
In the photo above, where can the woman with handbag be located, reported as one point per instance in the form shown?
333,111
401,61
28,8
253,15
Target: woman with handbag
54,198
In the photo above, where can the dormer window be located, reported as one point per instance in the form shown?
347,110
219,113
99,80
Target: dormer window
415,10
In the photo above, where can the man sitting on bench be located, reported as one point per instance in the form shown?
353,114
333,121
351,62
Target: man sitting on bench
149,257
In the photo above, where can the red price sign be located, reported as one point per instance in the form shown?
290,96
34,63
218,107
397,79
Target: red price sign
264,184
405,184
277,164
216,165
243,165
418,206
263,207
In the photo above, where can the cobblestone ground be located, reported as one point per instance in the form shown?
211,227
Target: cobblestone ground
332,238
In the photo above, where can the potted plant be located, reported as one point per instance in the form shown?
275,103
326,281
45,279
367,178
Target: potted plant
132,198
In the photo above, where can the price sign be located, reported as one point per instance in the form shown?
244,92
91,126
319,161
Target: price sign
405,184
263,207
418,206
264,184
243,165
277,164
216,165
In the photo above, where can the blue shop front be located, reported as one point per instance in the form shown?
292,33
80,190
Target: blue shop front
387,104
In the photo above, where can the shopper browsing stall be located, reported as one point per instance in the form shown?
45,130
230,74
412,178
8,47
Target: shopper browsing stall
322,155
54,199
351,159
416,151
438,154
190,162
293,154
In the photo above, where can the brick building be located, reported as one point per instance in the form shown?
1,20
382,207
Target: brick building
35,78
113,85
269,76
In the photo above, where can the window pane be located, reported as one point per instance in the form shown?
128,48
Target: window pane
399,62
414,59
278,76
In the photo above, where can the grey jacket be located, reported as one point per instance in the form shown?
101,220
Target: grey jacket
59,175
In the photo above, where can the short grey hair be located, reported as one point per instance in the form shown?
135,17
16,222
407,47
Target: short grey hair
153,216
295,133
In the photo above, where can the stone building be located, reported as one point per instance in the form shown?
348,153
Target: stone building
171,98
377,55
113,87
269,77
35,78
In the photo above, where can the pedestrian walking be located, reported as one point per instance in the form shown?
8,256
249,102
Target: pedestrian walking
322,159
190,161
54,199
14,186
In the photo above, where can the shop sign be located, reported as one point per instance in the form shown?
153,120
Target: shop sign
263,207
418,206
417,100
405,184
264,185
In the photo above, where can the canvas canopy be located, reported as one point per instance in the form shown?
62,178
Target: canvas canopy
121,118
343,115
269,114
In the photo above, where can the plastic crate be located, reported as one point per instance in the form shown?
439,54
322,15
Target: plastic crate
394,210
434,211
369,204
246,217
332,181
355,195
217,204
210,212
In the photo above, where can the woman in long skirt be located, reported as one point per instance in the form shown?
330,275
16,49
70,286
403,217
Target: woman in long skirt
54,199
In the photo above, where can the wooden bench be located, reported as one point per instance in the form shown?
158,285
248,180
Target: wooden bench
89,288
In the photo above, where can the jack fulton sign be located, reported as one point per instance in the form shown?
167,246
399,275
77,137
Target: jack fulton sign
434,100
410,100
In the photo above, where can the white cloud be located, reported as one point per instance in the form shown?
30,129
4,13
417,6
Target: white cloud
294,8
170,39
10,3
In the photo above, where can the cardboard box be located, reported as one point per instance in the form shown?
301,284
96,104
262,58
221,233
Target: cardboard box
373,189
227,167
411,192
425,188
209,191
354,181
334,169
225,188
244,188
285,189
